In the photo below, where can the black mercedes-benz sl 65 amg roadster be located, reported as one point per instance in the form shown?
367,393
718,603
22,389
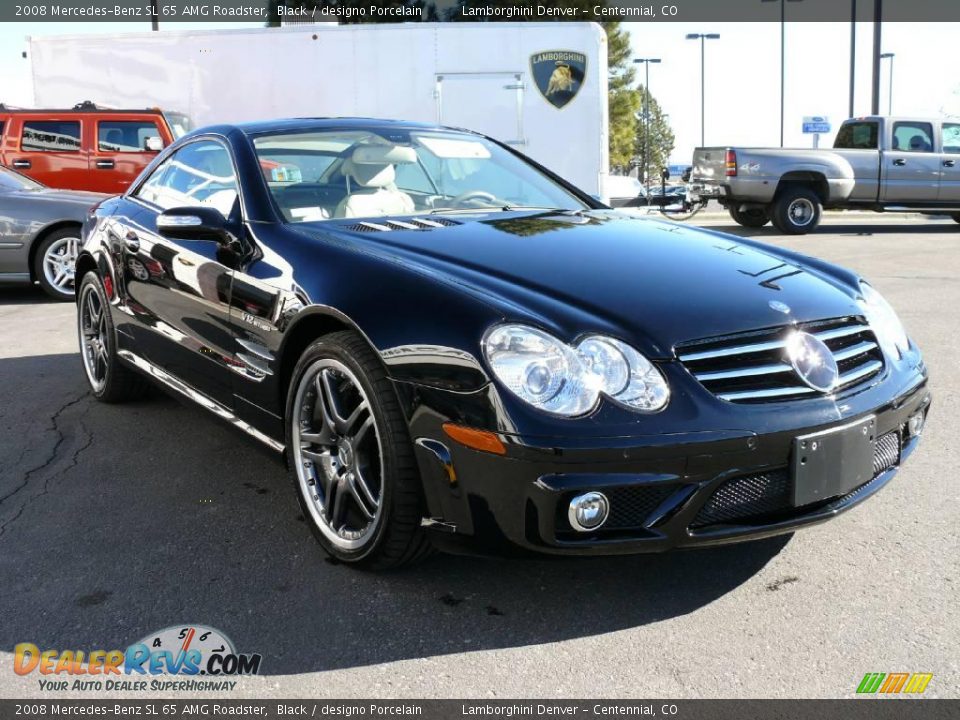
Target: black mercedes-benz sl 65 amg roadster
453,347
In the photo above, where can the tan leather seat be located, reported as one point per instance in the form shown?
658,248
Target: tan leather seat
371,189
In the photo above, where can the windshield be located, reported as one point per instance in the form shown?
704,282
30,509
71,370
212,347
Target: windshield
321,175
10,180
179,123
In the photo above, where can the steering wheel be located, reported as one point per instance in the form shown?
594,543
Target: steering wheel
469,196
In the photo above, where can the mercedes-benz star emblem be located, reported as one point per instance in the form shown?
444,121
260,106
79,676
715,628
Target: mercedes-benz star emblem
779,306
812,361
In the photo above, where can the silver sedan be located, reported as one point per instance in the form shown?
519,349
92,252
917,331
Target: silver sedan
40,233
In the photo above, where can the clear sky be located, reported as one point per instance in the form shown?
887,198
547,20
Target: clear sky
743,77
742,73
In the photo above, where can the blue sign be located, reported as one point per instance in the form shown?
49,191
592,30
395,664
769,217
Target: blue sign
816,124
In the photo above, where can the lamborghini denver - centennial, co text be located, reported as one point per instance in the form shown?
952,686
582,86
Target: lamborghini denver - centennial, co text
453,347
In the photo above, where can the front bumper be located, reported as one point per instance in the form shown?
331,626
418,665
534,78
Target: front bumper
665,492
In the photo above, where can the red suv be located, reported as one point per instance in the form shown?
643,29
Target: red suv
86,147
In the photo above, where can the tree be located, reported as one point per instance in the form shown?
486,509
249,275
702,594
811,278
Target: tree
623,100
652,153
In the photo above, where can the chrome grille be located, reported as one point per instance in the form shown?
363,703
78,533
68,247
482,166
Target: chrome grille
753,367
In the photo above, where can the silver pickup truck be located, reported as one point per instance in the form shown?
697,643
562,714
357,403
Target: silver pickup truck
877,163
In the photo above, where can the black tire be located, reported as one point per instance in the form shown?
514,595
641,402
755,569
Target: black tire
120,383
751,217
395,534
796,210
57,237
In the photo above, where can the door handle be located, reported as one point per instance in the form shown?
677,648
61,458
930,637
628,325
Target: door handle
949,163
131,242
21,163
899,162
105,164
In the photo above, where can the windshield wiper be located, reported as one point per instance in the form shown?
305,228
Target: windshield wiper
555,210
506,208
456,211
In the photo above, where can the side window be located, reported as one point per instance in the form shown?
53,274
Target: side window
858,136
913,137
197,175
124,135
951,137
51,135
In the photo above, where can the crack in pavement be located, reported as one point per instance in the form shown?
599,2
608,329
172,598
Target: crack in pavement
53,456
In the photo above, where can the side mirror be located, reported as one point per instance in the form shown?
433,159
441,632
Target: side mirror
194,223
153,144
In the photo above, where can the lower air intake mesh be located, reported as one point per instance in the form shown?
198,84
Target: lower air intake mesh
752,496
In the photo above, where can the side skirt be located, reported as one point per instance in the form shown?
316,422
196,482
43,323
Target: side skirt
168,380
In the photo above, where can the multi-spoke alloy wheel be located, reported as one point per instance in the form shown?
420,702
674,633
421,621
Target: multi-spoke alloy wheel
92,318
55,260
109,379
337,451
351,456
59,262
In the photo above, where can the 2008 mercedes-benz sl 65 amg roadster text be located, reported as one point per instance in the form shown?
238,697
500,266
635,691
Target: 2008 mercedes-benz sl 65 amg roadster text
455,348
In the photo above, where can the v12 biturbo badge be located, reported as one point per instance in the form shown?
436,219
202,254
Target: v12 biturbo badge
558,74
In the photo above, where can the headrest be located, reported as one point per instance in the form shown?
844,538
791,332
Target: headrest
383,155
369,175
918,142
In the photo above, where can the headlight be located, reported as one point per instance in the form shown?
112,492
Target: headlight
884,322
563,380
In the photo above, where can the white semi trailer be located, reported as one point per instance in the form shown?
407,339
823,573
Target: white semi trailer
541,87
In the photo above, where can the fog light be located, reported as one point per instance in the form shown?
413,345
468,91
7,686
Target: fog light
915,424
588,512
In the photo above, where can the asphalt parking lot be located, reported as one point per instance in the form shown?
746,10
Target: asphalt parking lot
120,520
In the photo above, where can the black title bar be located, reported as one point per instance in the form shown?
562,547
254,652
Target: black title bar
357,11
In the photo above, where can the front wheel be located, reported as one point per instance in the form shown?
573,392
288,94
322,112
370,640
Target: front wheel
54,263
749,217
109,380
351,456
796,211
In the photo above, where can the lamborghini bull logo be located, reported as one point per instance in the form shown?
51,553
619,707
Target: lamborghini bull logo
558,74
561,80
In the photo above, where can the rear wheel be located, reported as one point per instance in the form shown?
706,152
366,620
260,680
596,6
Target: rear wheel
750,217
54,263
352,459
796,211
109,380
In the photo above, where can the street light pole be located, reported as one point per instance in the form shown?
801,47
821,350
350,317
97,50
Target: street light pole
154,20
646,118
877,39
889,56
783,57
853,53
703,37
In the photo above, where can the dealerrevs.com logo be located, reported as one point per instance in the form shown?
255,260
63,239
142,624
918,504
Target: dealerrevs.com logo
894,683
187,651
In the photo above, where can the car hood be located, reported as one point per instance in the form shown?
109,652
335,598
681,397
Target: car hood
651,282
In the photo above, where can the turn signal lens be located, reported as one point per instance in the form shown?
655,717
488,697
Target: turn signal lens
477,439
